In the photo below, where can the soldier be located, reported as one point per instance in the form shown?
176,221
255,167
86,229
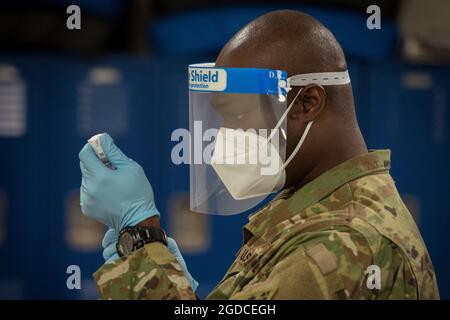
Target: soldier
337,230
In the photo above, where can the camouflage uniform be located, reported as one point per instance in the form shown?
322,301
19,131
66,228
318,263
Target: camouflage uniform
314,243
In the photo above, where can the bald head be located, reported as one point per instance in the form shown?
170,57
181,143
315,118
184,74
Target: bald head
284,40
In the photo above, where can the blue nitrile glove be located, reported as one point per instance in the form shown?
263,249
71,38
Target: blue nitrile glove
109,245
117,198
173,248
110,253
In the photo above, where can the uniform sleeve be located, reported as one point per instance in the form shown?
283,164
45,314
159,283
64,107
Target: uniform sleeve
319,265
150,273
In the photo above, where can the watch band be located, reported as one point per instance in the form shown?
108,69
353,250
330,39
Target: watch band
134,238
151,234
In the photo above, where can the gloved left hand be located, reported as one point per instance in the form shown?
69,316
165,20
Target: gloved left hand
109,243
117,198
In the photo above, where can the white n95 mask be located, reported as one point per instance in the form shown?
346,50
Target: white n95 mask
249,164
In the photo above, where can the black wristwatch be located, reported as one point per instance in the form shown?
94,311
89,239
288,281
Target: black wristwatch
133,238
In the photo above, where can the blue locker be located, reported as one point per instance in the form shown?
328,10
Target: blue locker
409,113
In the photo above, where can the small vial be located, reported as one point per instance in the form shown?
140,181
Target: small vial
95,143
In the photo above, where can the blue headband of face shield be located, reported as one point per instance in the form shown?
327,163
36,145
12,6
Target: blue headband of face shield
205,77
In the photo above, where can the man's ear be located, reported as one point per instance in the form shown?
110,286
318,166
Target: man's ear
309,103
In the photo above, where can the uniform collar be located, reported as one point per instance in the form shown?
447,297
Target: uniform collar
376,161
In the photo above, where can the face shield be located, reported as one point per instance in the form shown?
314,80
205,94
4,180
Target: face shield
237,122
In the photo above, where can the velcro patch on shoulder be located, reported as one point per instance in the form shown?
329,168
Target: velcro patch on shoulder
245,255
326,260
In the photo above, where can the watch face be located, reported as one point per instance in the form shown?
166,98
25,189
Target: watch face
125,244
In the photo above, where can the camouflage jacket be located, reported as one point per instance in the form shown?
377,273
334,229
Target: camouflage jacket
345,235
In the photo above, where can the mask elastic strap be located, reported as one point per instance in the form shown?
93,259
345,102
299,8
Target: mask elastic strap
302,139
299,144
274,130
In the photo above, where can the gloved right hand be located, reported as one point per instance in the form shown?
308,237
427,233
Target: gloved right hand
110,253
117,198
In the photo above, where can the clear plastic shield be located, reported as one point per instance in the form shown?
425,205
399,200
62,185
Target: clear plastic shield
238,138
